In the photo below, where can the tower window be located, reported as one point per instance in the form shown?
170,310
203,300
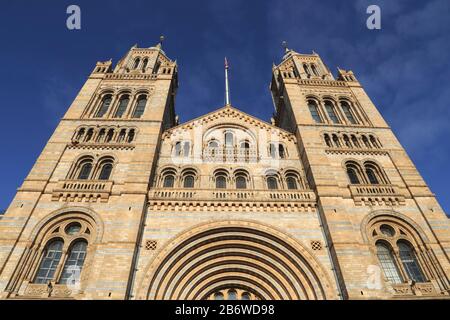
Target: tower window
372,176
144,64
348,112
305,67
89,135
387,262
281,151
188,181
52,256
331,112
221,182
328,140
140,107
314,110
75,259
229,140
85,171
131,135
241,182
122,106
409,261
169,181
186,149
314,70
105,173
136,63
110,135
291,183
106,102
272,183
353,177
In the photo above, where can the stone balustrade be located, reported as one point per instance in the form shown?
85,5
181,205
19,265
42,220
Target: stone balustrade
375,194
82,190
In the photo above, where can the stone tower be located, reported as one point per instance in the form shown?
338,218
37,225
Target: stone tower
375,207
112,129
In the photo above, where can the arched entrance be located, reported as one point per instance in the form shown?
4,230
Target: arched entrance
238,260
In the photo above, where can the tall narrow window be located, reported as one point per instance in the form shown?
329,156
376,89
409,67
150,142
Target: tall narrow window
89,135
140,107
221,182
352,176
105,173
186,149
188,181
131,135
272,183
331,112
144,64
122,135
374,142
241,182
409,261
136,63
387,262
51,256
366,142
355,142
305,67
328,140
74,262
347,141
229,140
101,135
85,171
273,150
178,149
281,151
123,103
106,102
348,112
336,141
314,69
291,183
371,175
314,110
169,181
80,134
110,135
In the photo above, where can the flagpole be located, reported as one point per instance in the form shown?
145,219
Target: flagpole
227,90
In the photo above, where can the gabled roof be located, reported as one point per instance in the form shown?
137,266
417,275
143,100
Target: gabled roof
229,111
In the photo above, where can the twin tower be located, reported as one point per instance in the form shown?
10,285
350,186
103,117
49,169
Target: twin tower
124,202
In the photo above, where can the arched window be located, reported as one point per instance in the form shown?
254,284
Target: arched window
89,135
314,110
409,261
245,149
74,262
366,142
336,141
101,135
374,141
186,148
387,263
106,102
85,171
110,135
348,112
123,104
241,181
188,181
355,141
177,149
122,135
137,61
328,140
314,69
353,173
105,172
140,107
229,140
347,141
169,181
372,176
80,134
232,295
144,64
329,107
272,183
291,183
221,182
305,67
131,135
273,151
281,151
50,260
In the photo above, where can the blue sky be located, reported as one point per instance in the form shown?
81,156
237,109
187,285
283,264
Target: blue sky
403,67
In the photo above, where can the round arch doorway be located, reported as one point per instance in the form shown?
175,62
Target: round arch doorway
235,260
